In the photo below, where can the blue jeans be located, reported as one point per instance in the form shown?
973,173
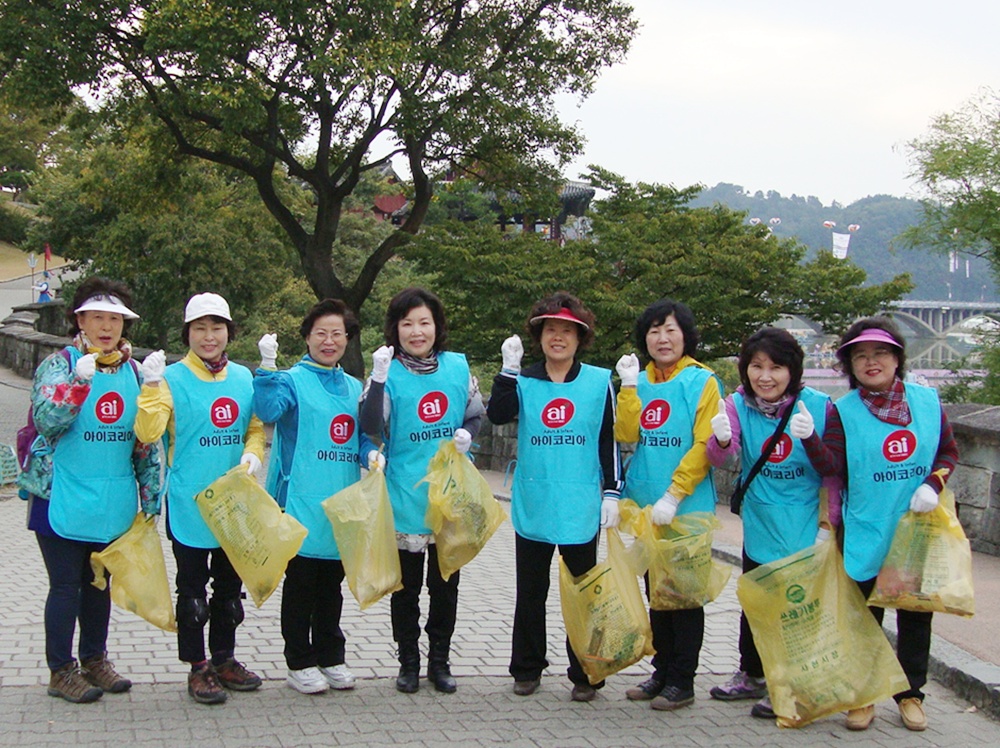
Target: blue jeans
72,597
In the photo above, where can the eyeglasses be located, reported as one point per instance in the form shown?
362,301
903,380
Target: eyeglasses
335,335
879,354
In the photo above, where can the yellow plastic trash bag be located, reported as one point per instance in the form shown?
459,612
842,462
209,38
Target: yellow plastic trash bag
462,511
256,535
929,564
682,572
135,561
822,650
361,516
606,620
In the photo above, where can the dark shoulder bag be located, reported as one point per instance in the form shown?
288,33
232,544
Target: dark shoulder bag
741,486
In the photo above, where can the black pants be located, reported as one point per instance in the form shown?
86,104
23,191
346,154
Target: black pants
405,604
749,656
677,638
195,566
913,643
311,604
73,598
533,562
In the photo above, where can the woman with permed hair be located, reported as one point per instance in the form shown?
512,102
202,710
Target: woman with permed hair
86,477
568,477
317,451
666,410
418,394
781,506
892,444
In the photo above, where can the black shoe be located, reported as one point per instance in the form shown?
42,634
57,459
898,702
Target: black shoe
583,692
526,687
647,690
438,669
672,697
408,680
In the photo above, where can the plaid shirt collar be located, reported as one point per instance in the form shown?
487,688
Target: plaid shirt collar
890,406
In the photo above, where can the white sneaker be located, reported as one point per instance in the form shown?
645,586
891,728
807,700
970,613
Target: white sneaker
338,676
307,680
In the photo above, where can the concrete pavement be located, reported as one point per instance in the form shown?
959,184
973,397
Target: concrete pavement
157,711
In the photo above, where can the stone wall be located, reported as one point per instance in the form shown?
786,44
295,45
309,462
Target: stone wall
976,481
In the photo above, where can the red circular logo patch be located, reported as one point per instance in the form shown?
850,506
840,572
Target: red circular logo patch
899,446
432,407
224,413
558,413
109,408
781,450
655,414
341,428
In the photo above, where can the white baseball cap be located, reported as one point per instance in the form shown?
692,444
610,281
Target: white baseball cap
104,302
206,305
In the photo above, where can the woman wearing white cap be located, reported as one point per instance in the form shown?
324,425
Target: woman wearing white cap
202,407
419,393
568,477
893,445
81,478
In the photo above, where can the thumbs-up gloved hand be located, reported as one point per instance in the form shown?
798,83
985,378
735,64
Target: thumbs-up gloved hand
153,367
628,369
381,359
721,427
268,347
801,424
512,350
86,367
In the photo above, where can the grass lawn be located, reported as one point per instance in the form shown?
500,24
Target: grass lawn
14,263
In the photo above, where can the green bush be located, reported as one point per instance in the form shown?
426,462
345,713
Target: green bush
13,224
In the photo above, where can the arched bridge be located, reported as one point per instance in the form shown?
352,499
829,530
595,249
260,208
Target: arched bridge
939,318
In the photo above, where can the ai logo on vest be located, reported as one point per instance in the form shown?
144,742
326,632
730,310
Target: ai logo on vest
225,411
109,408
899,446
432,407
558,413
341,428
655,414
781,450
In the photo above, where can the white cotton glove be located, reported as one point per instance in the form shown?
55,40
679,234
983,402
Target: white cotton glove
86,367
153,367
721,427
628,369
376,460
665,509
251,461
609,513
381,359
802,426
463,440
512,350
268,347
822,535
924,499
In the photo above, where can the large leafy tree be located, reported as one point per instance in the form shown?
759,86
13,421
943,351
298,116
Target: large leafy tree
254,85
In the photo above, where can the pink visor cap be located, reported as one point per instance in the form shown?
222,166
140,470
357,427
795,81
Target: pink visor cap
564,314
875,335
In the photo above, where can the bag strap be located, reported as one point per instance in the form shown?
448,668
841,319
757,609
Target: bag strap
772,442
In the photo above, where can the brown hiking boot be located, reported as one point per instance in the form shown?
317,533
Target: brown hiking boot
235,677
68,682
100,671
204,686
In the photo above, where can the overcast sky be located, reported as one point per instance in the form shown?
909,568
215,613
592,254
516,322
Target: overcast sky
794,96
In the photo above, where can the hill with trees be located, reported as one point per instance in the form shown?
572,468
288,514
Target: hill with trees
876,247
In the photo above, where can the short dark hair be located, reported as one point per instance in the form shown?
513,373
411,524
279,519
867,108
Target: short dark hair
230,326
325,308
779,346
551,305
656,314
412,298
96,285
880,322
